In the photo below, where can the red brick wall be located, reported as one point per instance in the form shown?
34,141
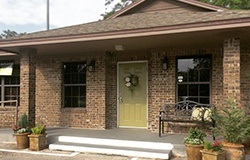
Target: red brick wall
49,94
101,110
231,70
245,77
162,83
27,83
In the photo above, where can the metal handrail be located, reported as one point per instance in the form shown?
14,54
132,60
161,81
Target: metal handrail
12,101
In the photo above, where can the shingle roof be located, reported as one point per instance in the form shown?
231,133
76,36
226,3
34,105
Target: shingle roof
140,21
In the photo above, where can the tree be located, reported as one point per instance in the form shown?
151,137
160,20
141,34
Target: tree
8,33
231,4
117,6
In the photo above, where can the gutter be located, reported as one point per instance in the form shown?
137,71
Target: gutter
205,26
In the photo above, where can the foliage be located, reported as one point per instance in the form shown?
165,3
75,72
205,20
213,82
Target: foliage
232,123
231,4
38,129
207,145
215,146
117,6
195,137
23,125
8,33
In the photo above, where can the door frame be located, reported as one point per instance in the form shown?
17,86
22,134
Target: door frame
117,92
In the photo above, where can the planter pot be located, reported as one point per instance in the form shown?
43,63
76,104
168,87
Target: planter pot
37,142
193,151
234,151
213,155
22,140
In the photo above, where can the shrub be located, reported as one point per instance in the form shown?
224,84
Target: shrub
233,124
195,137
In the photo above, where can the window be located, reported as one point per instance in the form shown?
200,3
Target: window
10,87
193,79
74,84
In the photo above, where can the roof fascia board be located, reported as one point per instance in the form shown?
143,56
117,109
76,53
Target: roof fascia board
203,5
132,5
128,34
190,2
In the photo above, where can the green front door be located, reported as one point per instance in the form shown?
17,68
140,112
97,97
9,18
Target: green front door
132,94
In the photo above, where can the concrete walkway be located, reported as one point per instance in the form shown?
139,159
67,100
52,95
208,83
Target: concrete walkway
117,134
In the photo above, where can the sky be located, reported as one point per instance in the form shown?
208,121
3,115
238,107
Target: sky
30,15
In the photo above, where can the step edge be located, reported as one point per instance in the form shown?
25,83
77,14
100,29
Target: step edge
114,142
111,151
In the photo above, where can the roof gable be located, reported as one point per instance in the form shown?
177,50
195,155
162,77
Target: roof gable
169,6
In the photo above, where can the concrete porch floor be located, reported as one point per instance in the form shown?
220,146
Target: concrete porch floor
117,134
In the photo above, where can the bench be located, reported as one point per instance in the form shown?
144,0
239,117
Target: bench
186,112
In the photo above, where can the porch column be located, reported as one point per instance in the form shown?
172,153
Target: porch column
27,83
231,70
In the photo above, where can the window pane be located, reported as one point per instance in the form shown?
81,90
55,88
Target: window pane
204,90
67,102
182,90
83,91
204,75
82,78
193,90
205,63
66,78
75,91
192,73
204,100
74,102
67,91
82,102
11,93
75,84
194,99
74,79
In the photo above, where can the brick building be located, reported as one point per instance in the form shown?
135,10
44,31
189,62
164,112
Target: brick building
118,72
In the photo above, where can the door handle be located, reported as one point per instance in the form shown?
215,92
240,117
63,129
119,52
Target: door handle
120,98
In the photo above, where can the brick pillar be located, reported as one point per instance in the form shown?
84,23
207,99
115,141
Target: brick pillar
231,70
27,83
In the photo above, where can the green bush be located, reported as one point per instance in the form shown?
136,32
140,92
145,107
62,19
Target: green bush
22,125
207,145
195,137
232,123
38,129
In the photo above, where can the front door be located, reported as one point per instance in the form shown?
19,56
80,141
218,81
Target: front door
132,94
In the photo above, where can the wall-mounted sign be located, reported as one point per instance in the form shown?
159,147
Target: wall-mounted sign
6,68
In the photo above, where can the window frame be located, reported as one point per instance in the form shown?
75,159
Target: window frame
73,85
197,82
3,86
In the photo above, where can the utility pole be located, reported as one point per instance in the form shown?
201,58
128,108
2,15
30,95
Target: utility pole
47,14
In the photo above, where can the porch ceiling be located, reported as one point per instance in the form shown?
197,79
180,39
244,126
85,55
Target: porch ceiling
202,39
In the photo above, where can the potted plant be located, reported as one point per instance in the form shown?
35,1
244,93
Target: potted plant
213,151
37,137
233,124
194,142
21,132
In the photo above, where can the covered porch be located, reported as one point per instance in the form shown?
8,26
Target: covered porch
129,142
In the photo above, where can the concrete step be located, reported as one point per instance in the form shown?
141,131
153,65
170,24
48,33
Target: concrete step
112,146
7,136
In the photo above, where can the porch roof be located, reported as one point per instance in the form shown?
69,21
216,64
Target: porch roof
137,23
145,21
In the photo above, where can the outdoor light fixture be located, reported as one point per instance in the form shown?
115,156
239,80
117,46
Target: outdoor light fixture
165,63
119,47
91,66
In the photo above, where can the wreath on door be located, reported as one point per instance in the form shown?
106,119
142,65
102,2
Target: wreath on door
131,81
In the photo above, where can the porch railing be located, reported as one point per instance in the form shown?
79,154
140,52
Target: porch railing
16,106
